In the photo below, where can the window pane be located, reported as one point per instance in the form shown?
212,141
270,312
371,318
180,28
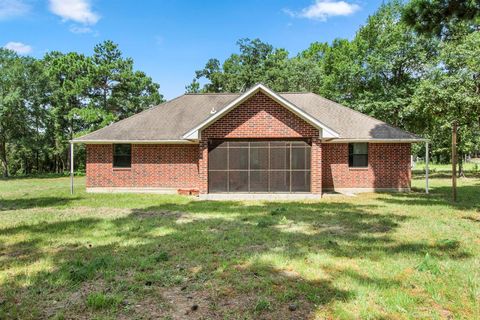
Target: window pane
300,181
121,162
360,160
238,158
217,159
278,143
122,155
279,181
255,144
259,181
308,157
238,181
122,149
360,148
217,144
358,154
279,158
237,144
258,158
298,158
217,181
299,143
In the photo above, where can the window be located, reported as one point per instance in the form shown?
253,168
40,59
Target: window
358,155
122,155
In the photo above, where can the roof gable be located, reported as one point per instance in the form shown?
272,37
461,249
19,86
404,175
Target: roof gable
325,131
171,121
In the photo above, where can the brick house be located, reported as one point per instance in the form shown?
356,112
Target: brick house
259,141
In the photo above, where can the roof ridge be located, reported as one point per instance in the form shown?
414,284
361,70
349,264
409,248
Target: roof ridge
366,115
294,92
238,93
210,93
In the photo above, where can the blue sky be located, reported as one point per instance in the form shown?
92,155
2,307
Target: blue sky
169,40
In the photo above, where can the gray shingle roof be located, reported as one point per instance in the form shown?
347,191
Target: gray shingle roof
172,119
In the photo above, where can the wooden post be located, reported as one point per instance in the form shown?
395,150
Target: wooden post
426,167
454,161
71,167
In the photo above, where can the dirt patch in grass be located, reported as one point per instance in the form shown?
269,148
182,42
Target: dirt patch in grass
74,302
184,303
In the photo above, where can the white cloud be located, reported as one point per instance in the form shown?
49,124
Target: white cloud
13,8
75,10
323,9
18,47
80,30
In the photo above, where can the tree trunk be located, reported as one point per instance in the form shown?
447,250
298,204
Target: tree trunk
460,156
3,158
37,162
454,161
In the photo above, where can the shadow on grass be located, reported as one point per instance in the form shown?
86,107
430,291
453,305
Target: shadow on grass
28,203
224,246
467,197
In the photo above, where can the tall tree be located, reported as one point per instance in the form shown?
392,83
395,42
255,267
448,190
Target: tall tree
69,79
451,91
13,108
116,87
256,62
393,59
441,18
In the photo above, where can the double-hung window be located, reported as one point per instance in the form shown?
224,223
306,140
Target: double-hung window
122,155
358,155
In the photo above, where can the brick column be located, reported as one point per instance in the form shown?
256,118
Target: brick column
316,166
203,167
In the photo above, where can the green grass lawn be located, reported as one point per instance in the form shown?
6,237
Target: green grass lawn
469,168
108,256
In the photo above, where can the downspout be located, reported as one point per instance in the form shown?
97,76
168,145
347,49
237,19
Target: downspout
426,167
71,167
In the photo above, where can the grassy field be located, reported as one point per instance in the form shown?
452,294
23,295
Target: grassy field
469,168
374,256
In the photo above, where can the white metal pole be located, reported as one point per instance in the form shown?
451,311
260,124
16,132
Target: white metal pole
426,167
71,167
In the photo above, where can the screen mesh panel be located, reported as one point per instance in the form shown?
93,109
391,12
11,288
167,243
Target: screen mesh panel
259,166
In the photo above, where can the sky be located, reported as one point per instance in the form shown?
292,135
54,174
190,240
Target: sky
171,39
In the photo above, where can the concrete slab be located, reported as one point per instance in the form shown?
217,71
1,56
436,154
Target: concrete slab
260,196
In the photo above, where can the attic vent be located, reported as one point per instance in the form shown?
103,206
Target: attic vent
213,111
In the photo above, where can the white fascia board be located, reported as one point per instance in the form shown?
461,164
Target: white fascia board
325,131
135,141
376,140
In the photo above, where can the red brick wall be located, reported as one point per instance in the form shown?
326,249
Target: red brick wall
163,166
186,166
260,117
388,167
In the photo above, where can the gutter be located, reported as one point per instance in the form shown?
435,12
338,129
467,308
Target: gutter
135,141
418,140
